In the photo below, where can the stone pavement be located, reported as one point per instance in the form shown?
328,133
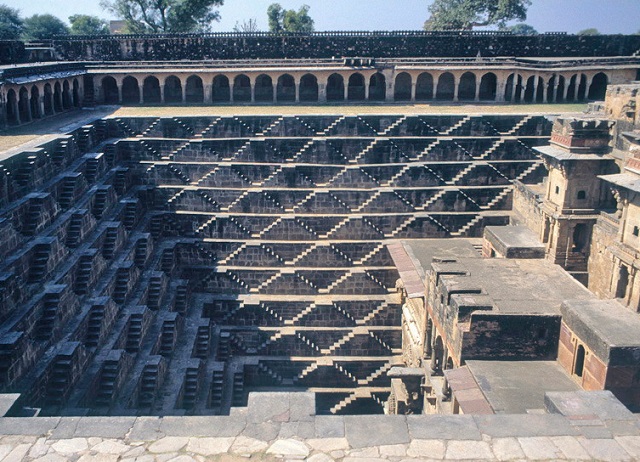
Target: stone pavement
279,426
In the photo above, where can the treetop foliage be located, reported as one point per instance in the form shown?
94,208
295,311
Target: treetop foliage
83,24
281,20
10,23
43,26
467,14
165,16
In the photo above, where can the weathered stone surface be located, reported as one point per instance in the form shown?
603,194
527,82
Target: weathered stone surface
441,426
468,450
378,430
244,445
110,447
570,447
606,449
209,446
168,444
539,447
70,446
328,444
289,448
427,449
506,449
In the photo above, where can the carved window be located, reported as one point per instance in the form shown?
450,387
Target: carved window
582,195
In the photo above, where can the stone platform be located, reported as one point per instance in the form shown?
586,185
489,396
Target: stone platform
277,426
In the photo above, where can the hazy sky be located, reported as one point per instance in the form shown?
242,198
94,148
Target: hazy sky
608,16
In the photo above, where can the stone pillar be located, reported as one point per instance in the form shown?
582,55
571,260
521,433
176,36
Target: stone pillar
514,86
162,94
322,93
41,104
535,89
28,102
576,87
274,93
389,96
183,84
231,91
346,90
119,84
208,93
296,87
477,96
16,108
456,85
500,89
366,89
554,95
413,90
141,94
565,90
253,92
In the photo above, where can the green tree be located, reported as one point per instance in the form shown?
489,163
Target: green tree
467,14
590,31
281,20
43,26
522,29
83,24
165,16
10,23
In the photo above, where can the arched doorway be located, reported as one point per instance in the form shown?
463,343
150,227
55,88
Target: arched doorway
571,89
582,88
560,90
264,88
598,88
530,91
335,88
580,238
355,91
172,90
286,88
221,91
76,93
130,90
109,91
424,87
308,88
151,90
488,87
48,100
467,87
66,95
402,90
194,90
12,106
446,87
241,88
623,282
23,105
35,102
437,356
377,87
513,89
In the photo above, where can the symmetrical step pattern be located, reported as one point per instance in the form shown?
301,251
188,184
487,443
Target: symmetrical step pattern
185,261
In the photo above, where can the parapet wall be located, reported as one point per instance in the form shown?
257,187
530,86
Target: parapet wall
339,44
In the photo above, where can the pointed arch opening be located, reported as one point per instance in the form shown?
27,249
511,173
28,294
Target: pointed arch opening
424,87
12,103
48,100
172,90
446,87
194,90
151,90
286,88
221,91
308,88
335,88
264,89
241,88
488,87
355,91
57,96
402,87
467,87
35,102
377,87
24,108
582,88
598,87
66,95
130,90
109,91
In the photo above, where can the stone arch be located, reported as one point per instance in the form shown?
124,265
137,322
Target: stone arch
598,87
151,90
109,91
529,93
424,87
308,88
241,88
582,88
513,89
66,95
130,90
286,88
580,237
23,105
446,87
551,83
48,99
560,89
335,88
35,102
12,104
194,90
377,87
76,93
571,89
540,90
488,87
402,87
57,96
467,87
220,90
172,89
264,88
355,91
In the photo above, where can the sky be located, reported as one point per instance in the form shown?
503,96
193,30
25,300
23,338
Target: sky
608,16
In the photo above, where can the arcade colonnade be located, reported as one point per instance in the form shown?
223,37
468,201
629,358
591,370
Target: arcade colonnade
24,103
182,87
